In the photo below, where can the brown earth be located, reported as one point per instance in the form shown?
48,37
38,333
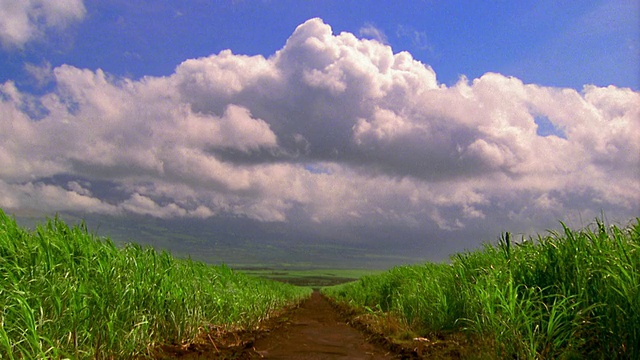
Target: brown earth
320,329
314,330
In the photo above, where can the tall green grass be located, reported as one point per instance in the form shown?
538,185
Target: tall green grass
569,294
64,293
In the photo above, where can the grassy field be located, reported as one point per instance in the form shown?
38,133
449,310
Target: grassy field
64,293
567,295
315,278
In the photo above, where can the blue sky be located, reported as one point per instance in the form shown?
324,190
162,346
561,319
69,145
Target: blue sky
555,43
349,122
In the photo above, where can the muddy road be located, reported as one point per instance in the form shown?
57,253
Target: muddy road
315,331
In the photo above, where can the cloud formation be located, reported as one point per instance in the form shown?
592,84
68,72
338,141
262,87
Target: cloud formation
370,31
330,129
26,20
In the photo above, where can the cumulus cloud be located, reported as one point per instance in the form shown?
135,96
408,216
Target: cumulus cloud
42,74
26,20
331,129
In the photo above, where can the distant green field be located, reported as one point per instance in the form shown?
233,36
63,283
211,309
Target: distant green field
315,278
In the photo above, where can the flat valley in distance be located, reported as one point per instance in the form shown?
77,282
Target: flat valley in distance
263,249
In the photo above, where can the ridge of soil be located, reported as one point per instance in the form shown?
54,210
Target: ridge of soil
385,329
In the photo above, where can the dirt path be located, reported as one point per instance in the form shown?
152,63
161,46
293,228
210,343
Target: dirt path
315,331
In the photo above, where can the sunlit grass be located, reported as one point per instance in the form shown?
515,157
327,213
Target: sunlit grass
64,293
572,294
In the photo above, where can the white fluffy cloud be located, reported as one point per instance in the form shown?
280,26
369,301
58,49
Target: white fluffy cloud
331,128
26,20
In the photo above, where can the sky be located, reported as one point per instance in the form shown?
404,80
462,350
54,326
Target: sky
419,128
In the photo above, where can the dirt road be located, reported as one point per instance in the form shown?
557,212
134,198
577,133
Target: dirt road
315,331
